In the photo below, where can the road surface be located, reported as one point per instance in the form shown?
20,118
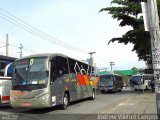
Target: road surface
81,110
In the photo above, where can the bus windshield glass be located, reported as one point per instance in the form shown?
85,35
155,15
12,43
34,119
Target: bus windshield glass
106,80
136,80
30,74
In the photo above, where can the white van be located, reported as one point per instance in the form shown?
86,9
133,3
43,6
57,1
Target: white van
5,86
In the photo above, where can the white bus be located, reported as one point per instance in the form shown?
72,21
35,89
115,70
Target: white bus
141,81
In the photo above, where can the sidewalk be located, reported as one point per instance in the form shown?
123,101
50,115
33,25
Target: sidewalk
141,106
141,103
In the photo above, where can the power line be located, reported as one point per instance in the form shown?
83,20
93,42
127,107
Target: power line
12,55
24,25
13,45
39,35
3,46
2,41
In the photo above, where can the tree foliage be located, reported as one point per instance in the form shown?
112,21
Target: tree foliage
128,12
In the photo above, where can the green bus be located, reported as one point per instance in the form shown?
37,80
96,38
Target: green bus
46,80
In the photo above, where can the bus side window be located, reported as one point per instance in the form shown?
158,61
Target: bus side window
114,78
71,65
2,67
53,70
62,66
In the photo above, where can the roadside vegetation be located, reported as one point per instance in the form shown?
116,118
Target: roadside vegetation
129,13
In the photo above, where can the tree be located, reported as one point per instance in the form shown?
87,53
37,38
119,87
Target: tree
128,12
135,71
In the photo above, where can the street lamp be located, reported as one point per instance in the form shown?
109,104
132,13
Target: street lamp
111,64
21,47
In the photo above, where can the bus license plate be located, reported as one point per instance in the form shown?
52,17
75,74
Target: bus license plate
26,104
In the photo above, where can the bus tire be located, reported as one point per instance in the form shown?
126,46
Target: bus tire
115,89
93,95
102,92
65,102
119,90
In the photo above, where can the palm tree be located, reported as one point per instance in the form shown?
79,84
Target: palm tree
128,12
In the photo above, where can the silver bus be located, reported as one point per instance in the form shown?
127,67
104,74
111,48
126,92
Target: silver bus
46,80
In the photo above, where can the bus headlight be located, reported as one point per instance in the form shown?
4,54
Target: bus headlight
46,96
12,98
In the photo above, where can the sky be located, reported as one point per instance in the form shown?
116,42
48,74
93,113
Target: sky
77,23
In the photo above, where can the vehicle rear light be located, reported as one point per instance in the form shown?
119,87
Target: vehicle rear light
5,98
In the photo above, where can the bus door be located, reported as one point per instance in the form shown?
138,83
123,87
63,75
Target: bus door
146,81
59,78
115,82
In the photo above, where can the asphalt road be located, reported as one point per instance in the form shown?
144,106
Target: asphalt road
81,110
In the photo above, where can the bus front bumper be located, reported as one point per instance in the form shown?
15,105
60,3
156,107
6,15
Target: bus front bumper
106,89
40,102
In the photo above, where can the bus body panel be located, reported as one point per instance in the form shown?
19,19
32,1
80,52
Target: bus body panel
57,90
76,91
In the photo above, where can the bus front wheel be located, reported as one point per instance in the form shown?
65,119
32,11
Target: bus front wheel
65,102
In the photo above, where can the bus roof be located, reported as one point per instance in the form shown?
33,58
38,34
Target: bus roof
143,75
111,74
7,57
49,55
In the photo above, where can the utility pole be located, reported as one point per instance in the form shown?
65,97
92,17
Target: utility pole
7,45
21,47
111,64
155,44
91,61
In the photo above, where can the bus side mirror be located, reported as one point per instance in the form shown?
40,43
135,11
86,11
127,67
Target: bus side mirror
9,70
60,73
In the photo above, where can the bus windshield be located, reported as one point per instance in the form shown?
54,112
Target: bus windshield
136,80
30,74
106,80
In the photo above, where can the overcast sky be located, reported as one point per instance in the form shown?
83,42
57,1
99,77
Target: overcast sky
74,22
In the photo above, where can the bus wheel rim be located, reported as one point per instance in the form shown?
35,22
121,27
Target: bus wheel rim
93,95
65,102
